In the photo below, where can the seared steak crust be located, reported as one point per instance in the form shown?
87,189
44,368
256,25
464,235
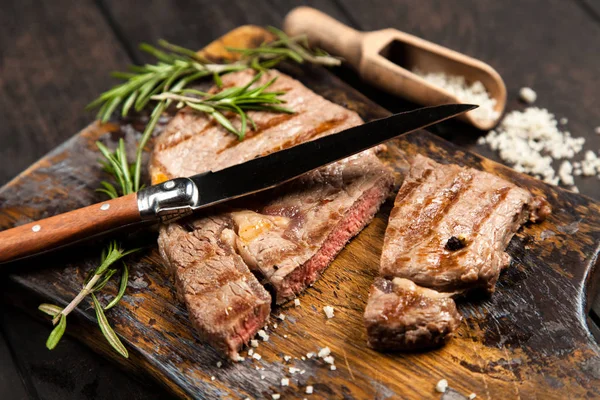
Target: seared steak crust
440,203
287,236
403,316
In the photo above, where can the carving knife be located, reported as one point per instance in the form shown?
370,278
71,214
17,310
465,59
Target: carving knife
179,197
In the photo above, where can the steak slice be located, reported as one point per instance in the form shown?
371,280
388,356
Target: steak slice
403,316
446,233
450,226
286,236
226,303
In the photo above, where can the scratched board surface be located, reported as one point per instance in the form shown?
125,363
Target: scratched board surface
528,340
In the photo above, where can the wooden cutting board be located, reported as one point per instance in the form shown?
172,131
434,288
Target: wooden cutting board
528,340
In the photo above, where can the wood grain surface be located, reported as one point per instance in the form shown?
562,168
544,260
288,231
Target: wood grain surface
528,340
67,228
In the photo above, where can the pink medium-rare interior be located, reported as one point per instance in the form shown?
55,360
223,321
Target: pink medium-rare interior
355,220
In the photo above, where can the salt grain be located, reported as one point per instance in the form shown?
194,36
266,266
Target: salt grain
294,370
254,343
256,356
333,368
281,316
219,364
238,358
285,382
472,396
287,358
250,352
212,378
275,325
276,396
263,335
310,355
441,386
528,95
309,390
262,377
328,311
563,121
458,86
329,360
324,352
297,302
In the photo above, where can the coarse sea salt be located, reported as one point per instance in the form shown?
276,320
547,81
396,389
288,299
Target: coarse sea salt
531,141
324,352
471,93
328,310
528,95
441,386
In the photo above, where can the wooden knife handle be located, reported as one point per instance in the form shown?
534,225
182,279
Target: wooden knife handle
325,33
66,228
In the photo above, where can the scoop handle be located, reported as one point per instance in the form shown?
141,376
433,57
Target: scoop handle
45,234
325,33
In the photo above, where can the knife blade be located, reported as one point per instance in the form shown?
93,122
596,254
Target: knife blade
179,197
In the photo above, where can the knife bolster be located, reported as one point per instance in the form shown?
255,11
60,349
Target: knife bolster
169,200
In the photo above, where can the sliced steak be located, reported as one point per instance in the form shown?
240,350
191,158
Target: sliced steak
446,233
226,303
286,236
450,226
403,316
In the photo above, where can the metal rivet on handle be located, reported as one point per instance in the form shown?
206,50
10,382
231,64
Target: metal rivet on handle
105,206
169,185
36,228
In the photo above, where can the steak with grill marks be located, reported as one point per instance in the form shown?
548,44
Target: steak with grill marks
286,236
447,232
450,226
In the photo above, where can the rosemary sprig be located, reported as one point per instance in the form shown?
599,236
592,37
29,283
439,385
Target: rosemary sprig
293,48
95,283
236,99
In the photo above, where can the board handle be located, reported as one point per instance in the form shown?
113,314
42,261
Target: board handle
67,228
325,33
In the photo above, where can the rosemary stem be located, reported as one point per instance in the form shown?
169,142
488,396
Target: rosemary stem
78,299
156,113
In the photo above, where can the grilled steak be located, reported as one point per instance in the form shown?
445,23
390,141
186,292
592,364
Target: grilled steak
447,231
450,226
226,303
286,236
403,316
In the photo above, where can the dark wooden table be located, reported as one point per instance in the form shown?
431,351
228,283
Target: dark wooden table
56,56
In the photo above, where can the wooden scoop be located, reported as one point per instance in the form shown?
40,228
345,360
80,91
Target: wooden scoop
386,59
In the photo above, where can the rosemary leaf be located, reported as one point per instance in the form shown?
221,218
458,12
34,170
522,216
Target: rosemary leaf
128,103
220,118
107,330
122,288
50,309
108,189
57,333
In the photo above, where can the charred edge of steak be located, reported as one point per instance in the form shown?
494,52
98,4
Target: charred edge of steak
401,316
356,218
